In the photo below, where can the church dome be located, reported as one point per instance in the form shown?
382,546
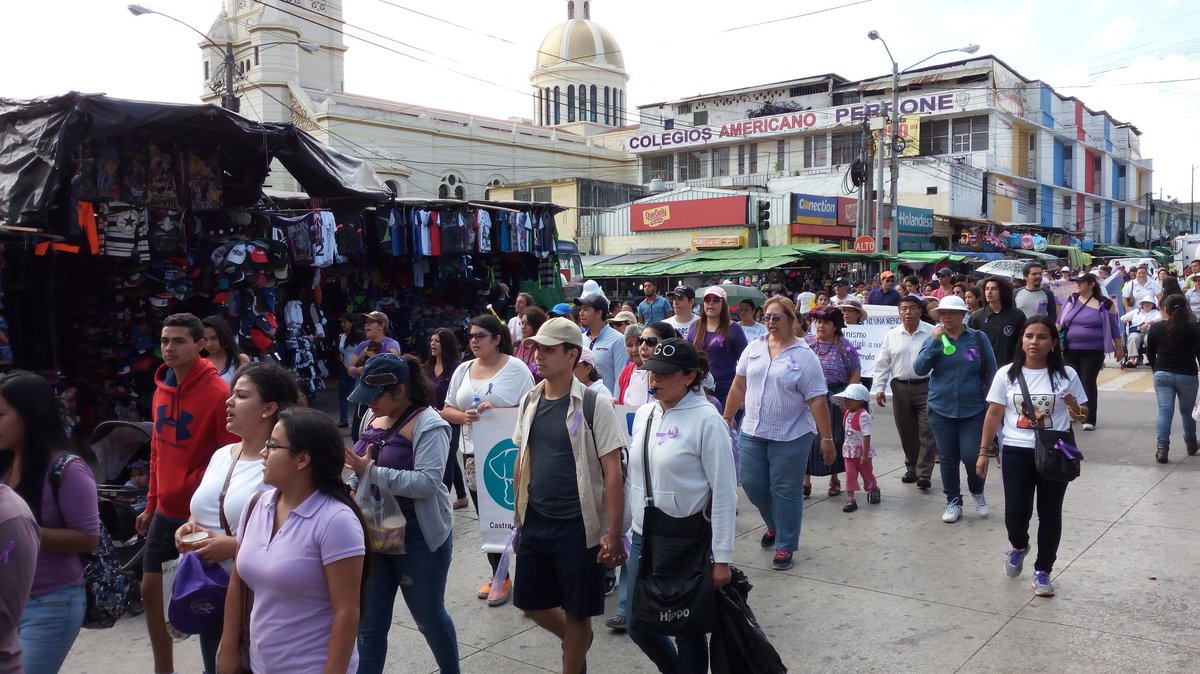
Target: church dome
581,41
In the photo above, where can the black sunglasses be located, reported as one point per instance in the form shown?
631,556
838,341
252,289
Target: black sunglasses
652,341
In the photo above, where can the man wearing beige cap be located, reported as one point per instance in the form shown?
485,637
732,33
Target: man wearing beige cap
569,495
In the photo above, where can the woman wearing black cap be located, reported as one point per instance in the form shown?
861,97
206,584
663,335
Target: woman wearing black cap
680,455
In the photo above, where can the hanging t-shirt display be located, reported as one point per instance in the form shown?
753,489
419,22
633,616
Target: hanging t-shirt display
161,191
108,172
325,241
204,180
125,234
483,222
167,235
134,170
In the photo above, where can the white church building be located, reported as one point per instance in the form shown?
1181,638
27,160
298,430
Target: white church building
290,64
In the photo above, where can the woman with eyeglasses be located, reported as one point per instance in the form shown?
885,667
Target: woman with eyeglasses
301,548
260,391
780,384
494,378
719,339
529,321
404,447
638,392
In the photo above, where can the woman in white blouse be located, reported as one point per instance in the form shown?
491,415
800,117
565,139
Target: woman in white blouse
494,378
260,390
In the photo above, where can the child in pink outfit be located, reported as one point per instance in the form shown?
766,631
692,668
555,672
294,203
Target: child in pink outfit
857,448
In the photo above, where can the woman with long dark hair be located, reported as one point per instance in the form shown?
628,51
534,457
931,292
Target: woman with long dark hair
495,378
638,390
529,322
719,338
260,391
1056,395
60,491
405,446
302,546
222,349
444,357
347,343
1089,320
1173,348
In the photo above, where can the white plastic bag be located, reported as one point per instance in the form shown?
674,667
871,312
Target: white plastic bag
385,522
1196,412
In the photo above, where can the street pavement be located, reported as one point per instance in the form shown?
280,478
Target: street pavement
891,587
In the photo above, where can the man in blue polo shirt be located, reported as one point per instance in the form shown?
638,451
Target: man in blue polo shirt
607,345
655,307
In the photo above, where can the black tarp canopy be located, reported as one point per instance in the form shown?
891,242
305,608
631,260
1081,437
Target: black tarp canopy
41,139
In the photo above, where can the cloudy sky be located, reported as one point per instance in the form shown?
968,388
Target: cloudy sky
1140,60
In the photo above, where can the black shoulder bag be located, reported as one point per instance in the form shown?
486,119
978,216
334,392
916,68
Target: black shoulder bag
1054,453
673,593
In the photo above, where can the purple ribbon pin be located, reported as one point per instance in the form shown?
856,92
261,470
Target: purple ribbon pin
575,421
7,550
663,436
1070,451
971,355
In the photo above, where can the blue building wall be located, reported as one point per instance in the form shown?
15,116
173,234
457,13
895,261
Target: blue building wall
1047,107
1108,234
1047,203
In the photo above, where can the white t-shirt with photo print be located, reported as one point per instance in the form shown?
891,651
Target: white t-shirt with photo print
1047,401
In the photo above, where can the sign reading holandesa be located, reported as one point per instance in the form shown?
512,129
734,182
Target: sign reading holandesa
804,120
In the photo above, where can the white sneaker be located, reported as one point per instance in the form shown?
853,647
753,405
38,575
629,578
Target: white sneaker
1089,427
953,511
981,505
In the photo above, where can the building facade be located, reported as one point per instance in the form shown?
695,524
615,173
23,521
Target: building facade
979,143
423,151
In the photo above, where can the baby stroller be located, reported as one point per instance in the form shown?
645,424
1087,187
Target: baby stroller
120,448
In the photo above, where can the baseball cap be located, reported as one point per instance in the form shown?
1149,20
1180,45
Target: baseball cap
597,302
886,274
716,290
1089,276
945,271
558,331
198,600
586,356
671,356
562,309
840,283
376,317
381,372
682,291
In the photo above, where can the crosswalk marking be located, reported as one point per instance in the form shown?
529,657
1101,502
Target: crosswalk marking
1137,381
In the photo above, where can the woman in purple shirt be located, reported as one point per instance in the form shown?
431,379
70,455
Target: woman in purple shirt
300,555
840,363
720,339
1089,322
65,506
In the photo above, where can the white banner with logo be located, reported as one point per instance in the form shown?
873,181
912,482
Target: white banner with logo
495,465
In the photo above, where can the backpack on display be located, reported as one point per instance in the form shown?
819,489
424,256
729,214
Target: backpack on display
107,587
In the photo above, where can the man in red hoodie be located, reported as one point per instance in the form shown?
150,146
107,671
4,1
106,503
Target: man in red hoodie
189,425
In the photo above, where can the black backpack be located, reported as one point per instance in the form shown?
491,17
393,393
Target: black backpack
106,585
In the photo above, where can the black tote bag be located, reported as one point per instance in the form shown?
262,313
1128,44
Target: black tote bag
1052,462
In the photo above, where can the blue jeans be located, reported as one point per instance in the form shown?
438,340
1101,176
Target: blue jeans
687,655
49,625
1167,387
773,478
957,442
420,575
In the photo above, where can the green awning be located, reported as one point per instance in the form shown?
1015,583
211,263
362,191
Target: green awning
1046,257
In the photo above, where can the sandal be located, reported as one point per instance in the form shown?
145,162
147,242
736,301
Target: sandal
835,487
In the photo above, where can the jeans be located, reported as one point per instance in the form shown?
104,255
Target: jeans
420,575
1088,364
1021,484
49,625
957,442
345,386
1167,387
209,643
773,478
687,655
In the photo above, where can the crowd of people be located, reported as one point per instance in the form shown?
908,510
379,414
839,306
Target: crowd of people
246,477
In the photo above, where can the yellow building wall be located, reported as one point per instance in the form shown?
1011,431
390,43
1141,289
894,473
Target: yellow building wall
1020,152
1002,208
563,193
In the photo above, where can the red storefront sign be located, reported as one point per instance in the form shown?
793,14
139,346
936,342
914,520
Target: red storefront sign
717,212
847,211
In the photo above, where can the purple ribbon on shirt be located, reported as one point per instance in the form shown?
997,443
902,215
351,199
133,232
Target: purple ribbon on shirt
663,436
854,348
575,422
12,545
971,355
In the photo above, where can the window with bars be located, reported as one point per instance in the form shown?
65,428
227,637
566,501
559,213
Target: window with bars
781,155
845,147
935,137
816,151
662,167
969,134
741,160
752,150
542,194
720,162
692,165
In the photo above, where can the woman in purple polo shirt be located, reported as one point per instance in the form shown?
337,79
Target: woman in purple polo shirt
66,509
301,551
720,339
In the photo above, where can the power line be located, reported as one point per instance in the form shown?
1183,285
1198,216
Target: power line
446,21
789,18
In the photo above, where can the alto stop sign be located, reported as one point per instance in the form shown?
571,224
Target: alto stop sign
865,245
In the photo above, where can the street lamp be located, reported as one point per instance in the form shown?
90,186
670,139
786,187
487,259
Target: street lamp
229,99
894,243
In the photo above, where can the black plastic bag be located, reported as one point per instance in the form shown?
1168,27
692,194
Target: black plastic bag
738,645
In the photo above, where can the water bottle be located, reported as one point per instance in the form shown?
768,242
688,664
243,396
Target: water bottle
466,429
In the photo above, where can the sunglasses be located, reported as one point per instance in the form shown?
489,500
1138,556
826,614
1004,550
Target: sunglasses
713,300
479,336
773,318
652,341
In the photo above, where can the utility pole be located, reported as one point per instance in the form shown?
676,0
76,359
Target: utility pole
879,186
229,101
1192,204
894,245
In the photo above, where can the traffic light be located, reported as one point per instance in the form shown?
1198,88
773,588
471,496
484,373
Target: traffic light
764,215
